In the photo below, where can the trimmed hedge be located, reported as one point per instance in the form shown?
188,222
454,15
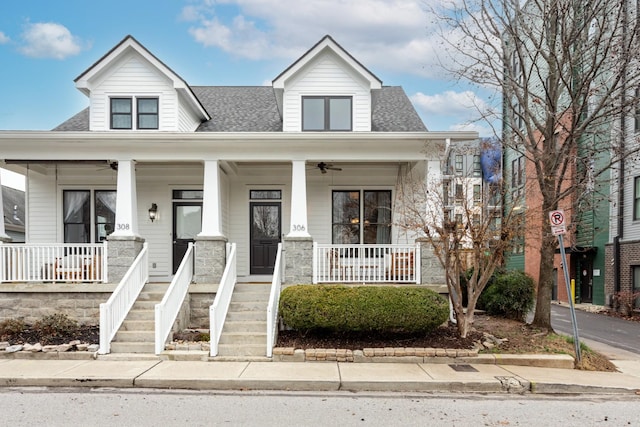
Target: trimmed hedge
383,309
510,294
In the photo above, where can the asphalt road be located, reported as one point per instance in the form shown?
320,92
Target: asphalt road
622,334
122,407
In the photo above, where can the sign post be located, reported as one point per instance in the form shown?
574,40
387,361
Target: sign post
559,228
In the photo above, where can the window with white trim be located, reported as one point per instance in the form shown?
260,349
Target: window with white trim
144,109
88,215
326,113
361,216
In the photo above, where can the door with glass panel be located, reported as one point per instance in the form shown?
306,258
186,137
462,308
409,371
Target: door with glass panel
265,236
187,223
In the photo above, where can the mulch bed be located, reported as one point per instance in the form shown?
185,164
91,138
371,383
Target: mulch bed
442,337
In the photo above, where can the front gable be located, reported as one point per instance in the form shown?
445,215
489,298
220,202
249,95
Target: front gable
326,70
130,72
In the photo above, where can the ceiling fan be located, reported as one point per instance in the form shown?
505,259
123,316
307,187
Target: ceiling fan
324,167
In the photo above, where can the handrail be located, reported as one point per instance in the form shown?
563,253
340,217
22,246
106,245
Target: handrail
218,310
167,310
54,262
274,300
114,311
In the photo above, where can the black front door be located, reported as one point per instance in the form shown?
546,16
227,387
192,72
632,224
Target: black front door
586,280
187,223
265,236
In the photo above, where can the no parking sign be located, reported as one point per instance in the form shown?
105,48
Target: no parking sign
558,224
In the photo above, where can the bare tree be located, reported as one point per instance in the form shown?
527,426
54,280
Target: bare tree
461,217
567,72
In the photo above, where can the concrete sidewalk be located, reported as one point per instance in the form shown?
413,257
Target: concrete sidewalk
317,376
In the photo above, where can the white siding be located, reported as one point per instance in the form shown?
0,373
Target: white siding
187,121
327,75
41,208
133,76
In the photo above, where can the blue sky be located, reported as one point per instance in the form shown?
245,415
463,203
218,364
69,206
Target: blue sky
46,44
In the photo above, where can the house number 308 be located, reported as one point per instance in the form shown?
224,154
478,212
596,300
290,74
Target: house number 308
298,227
122,226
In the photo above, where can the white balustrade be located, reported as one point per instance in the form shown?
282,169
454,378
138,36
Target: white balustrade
61,262
114,311
274,300
218,310
167,310
366,263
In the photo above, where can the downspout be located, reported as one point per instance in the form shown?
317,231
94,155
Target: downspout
621,173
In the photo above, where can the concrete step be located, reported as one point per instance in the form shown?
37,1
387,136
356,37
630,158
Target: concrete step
144,305
248,306
138,325
135,336
257,315
244,326
226,350
252,287
156,287
250,297
151,296
141,314
237,338
241,358
133,347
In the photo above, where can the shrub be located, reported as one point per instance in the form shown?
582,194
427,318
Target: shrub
55,325
10,328
382,309
509,294
625,301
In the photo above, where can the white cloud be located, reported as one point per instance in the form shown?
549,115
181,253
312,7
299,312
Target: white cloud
3,38
384,34
466,109
465,103
49,40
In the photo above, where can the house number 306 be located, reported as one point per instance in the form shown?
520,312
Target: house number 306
122,226
298,227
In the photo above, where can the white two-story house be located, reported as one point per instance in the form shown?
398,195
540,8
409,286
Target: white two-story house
310,164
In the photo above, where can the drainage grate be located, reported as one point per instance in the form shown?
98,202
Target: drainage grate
463,368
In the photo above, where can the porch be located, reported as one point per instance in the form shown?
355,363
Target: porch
366,263
51,263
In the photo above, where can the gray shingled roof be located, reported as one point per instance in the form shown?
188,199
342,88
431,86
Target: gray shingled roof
13,201
254,109
239,108
392,111
77,123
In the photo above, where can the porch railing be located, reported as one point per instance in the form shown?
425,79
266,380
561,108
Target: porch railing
58,262
274,299
167,310
114,311
218,310
366,263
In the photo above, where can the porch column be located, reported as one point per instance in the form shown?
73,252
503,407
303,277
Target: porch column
298,244
299,226
210,256
125,243
4,237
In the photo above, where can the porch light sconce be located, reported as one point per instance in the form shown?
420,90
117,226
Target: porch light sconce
153,212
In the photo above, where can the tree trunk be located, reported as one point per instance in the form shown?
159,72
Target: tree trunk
542,317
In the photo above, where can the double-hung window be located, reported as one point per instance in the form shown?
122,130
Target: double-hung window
146,113
326,113
361,216
636,198
88,215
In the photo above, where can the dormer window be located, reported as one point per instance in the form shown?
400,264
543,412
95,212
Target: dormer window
326,113
146,113
120,113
